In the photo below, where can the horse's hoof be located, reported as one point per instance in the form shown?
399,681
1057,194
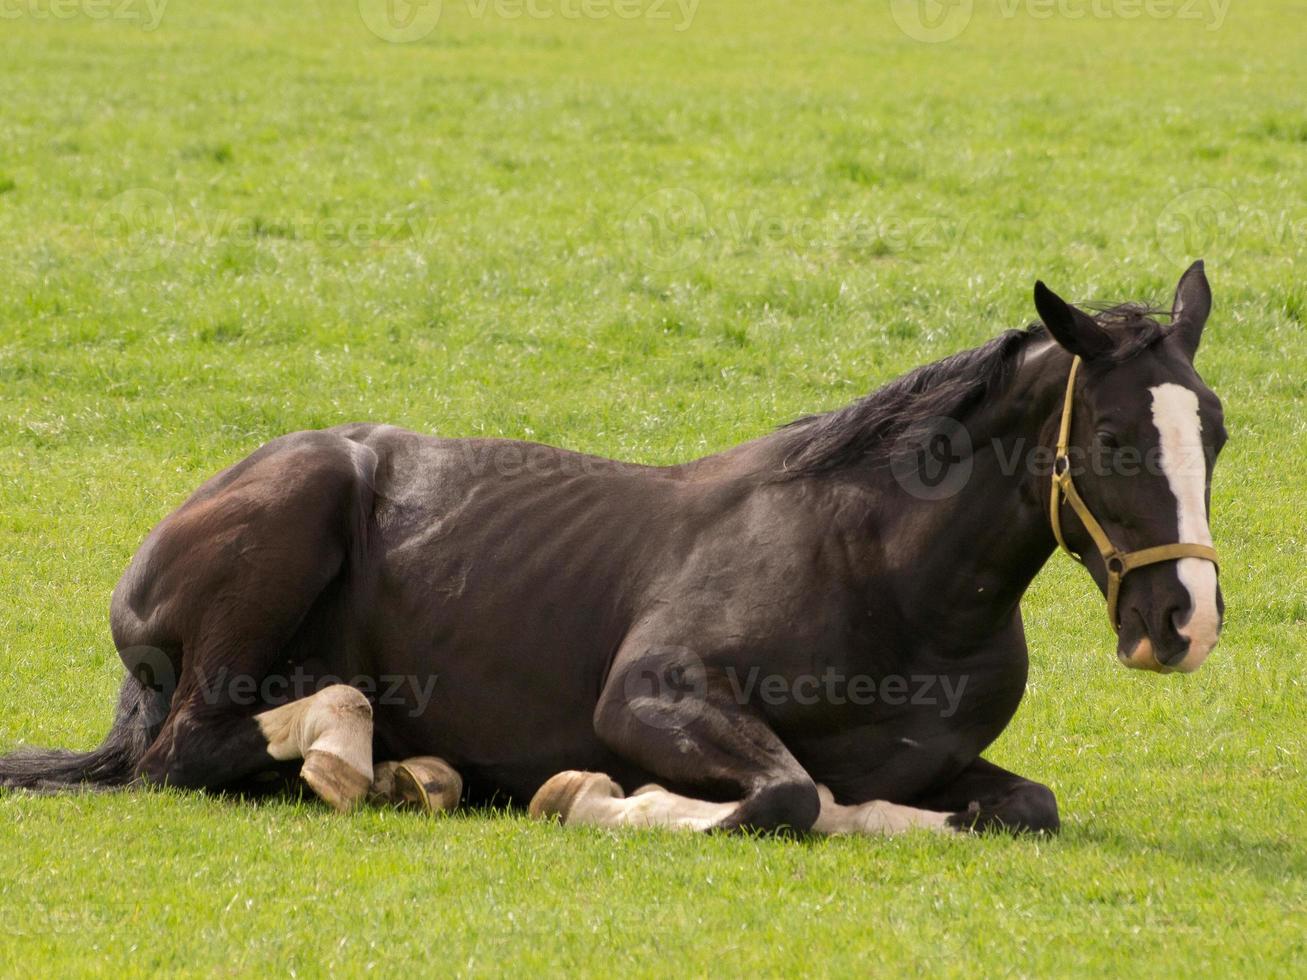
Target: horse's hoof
427,784
382,790
560,794
334,780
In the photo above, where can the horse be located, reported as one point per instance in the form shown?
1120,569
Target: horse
818,630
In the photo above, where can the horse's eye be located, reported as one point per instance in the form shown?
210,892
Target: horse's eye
1108,440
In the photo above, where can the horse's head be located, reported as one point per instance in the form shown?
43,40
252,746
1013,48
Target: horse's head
1142,440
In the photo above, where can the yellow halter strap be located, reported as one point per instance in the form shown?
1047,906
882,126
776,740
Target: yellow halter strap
1117,562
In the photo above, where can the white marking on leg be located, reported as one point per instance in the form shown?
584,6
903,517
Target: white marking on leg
592,799
1175,414
337,721
653,806
877,817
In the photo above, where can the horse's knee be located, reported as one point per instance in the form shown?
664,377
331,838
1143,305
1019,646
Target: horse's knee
788,804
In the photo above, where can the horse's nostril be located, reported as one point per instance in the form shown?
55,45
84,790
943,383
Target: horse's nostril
1169,657
1180,617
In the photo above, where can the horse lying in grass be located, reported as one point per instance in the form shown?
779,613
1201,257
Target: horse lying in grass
819,629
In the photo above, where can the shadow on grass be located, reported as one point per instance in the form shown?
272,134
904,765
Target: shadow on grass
1265,858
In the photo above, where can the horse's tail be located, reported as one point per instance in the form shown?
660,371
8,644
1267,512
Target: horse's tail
112,764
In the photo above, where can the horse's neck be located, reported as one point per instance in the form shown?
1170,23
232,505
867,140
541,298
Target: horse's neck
982,546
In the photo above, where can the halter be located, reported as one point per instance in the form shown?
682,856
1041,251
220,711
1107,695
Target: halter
1117,562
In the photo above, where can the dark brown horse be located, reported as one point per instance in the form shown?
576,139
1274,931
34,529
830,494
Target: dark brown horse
816,629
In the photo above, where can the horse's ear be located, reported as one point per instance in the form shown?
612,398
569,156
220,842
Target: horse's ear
1193,301
1074,329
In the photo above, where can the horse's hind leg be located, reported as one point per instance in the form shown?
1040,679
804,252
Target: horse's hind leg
425,784
330,731
229,579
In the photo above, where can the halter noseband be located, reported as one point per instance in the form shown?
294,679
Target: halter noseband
1117,562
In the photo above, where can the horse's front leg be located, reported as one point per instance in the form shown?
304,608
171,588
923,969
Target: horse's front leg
879,818
985,797
664,711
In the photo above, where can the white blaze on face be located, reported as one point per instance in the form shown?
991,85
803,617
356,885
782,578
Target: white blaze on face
1175,413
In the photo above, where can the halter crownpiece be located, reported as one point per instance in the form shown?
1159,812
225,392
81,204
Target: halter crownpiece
1117,562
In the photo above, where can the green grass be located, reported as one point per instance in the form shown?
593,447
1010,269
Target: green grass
649,243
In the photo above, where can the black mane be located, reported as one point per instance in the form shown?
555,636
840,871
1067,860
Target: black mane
870,427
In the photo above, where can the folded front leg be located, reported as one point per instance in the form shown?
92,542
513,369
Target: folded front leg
592,799
986,797
696,736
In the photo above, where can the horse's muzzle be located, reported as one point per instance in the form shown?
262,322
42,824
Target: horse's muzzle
1142,656
1164,630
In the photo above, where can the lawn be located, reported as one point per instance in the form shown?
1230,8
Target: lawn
648,230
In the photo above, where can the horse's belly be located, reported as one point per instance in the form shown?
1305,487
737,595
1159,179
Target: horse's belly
496,600
487,671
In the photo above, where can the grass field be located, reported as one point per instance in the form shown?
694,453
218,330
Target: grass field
649,237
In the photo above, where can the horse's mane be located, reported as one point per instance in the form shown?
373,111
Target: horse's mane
908,406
